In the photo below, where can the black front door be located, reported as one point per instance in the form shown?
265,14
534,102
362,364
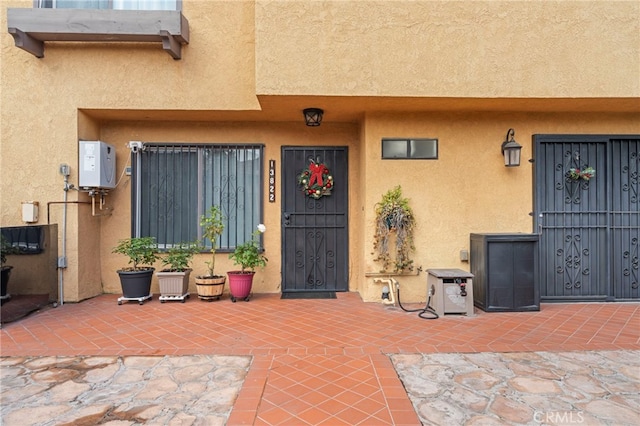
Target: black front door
589,227
315,252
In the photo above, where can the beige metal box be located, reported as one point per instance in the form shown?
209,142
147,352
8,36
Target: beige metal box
453,291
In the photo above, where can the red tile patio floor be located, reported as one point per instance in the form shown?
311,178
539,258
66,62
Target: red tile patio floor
315,362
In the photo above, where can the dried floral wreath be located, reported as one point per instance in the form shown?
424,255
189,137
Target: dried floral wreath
585,173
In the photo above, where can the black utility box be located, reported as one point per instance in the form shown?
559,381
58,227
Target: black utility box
505,268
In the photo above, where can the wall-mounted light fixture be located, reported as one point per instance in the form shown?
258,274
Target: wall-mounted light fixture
312,116
511,150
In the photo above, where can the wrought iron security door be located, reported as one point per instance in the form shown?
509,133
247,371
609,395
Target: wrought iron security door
315,252
589,225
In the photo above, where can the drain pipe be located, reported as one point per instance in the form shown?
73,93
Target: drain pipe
62,260
62,263
65,171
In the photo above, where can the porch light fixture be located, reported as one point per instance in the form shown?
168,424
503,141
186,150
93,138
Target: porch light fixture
312,116
511,150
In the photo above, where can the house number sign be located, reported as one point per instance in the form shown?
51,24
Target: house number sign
272,181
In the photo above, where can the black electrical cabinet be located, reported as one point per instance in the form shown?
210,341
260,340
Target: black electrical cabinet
505,268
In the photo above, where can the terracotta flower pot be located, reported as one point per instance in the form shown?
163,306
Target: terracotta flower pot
240,284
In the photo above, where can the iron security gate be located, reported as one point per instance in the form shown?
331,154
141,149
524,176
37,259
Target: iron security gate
315,252
589,221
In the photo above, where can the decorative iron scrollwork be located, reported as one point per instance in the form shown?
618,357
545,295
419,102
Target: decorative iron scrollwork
633,177
317,260
573,256
314,204
632,258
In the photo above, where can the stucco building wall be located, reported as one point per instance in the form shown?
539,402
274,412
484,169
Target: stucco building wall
481,49
273,135
468,189
462,72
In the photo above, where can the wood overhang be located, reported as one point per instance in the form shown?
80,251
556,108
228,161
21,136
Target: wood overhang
30,28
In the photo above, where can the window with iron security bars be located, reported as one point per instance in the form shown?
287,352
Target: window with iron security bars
175,184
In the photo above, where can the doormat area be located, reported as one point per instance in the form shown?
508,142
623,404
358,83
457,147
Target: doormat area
19,306
310,295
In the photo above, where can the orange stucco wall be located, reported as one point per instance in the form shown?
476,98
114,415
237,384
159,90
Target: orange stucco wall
479,49
273,135
468,189
463,72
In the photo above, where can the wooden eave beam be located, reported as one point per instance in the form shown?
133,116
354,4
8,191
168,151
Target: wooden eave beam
30,28
28,43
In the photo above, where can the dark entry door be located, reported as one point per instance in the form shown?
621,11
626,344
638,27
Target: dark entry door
315,252
589,228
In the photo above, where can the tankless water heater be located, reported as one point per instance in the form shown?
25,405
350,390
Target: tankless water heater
97,165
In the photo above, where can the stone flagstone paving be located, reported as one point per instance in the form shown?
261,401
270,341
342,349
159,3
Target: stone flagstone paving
520,388
84,391
533,388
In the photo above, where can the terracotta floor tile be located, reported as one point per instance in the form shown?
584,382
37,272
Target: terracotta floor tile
313,416
351,398
381,418
314,397
353,415
332,406
276,397
295,406
399,404
315,362
404,418
330,391
332,421
239,417
368,388
273,416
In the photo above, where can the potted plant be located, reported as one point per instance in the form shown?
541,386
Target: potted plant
173,280
394,216
136,279
5,249
211,286
248,256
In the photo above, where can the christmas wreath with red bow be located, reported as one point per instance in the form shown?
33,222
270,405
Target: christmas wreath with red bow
316,180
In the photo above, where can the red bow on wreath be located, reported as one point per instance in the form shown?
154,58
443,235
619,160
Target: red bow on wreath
317,170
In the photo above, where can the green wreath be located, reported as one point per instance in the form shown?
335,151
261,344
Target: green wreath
315,180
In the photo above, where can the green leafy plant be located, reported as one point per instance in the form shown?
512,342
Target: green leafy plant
212,226
178,257
5,249
141,251
248,254
394,215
